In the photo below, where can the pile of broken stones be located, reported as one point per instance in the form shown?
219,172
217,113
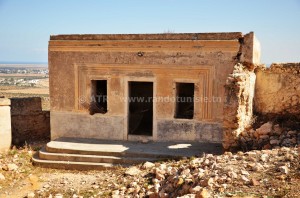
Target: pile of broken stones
212,175
269,136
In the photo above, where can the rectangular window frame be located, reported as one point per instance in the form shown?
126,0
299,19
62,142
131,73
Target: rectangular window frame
98,101
180,102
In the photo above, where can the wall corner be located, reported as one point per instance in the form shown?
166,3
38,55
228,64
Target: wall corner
251,49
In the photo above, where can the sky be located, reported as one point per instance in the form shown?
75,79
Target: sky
26,25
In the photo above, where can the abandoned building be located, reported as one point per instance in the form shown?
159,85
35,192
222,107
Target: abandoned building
125,99
160,87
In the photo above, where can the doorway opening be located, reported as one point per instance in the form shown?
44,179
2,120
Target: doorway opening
140,115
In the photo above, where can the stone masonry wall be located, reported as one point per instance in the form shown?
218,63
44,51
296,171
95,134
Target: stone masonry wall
239,93
277,108
276,117
238,108
28,121
277,90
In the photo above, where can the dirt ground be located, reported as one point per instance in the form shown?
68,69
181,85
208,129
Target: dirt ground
21,179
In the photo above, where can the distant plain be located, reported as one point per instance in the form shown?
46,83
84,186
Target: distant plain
40,87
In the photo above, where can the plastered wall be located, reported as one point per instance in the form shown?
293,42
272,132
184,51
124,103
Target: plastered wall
164,59
5,125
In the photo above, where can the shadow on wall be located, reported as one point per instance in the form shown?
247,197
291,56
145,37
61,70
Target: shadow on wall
276,119
29,122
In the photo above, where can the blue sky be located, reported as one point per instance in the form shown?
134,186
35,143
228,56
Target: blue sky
25,25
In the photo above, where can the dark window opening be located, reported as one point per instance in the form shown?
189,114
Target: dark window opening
184,100
140,108
98,97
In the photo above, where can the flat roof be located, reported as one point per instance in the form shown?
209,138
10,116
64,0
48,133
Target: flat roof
163,36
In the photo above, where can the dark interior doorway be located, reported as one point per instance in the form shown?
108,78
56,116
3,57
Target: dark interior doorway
140,108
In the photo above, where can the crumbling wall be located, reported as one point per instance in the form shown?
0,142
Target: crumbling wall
5,128
238,108
239,92
277,90
276,109
28,121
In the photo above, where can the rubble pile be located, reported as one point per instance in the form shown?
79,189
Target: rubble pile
269,136
215,175
256,173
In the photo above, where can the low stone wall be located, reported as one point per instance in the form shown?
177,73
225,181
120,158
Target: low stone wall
277,90
5,127
29,123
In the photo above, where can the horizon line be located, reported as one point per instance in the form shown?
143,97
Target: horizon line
23,62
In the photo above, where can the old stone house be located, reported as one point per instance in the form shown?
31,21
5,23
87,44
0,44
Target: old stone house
160,87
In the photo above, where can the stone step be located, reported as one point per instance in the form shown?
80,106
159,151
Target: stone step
87,154
108,153
70,165
117,150
124,160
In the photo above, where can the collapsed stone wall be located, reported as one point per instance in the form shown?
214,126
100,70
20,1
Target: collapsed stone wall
28,121
238,108
276,108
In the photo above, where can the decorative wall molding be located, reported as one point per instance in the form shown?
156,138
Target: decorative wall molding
84,73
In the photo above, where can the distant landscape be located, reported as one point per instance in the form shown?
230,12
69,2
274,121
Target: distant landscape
25,80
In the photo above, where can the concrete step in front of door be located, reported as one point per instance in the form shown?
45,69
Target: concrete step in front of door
69,161
107,150
92,158
86,154
70,165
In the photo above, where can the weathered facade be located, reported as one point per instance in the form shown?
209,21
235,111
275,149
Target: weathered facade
163,69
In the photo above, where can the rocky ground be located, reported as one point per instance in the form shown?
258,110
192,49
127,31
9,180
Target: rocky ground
266,173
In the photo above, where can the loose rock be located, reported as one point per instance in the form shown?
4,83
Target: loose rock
133,171
265,128
204,193
147,165
2,176
31,195
284,169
